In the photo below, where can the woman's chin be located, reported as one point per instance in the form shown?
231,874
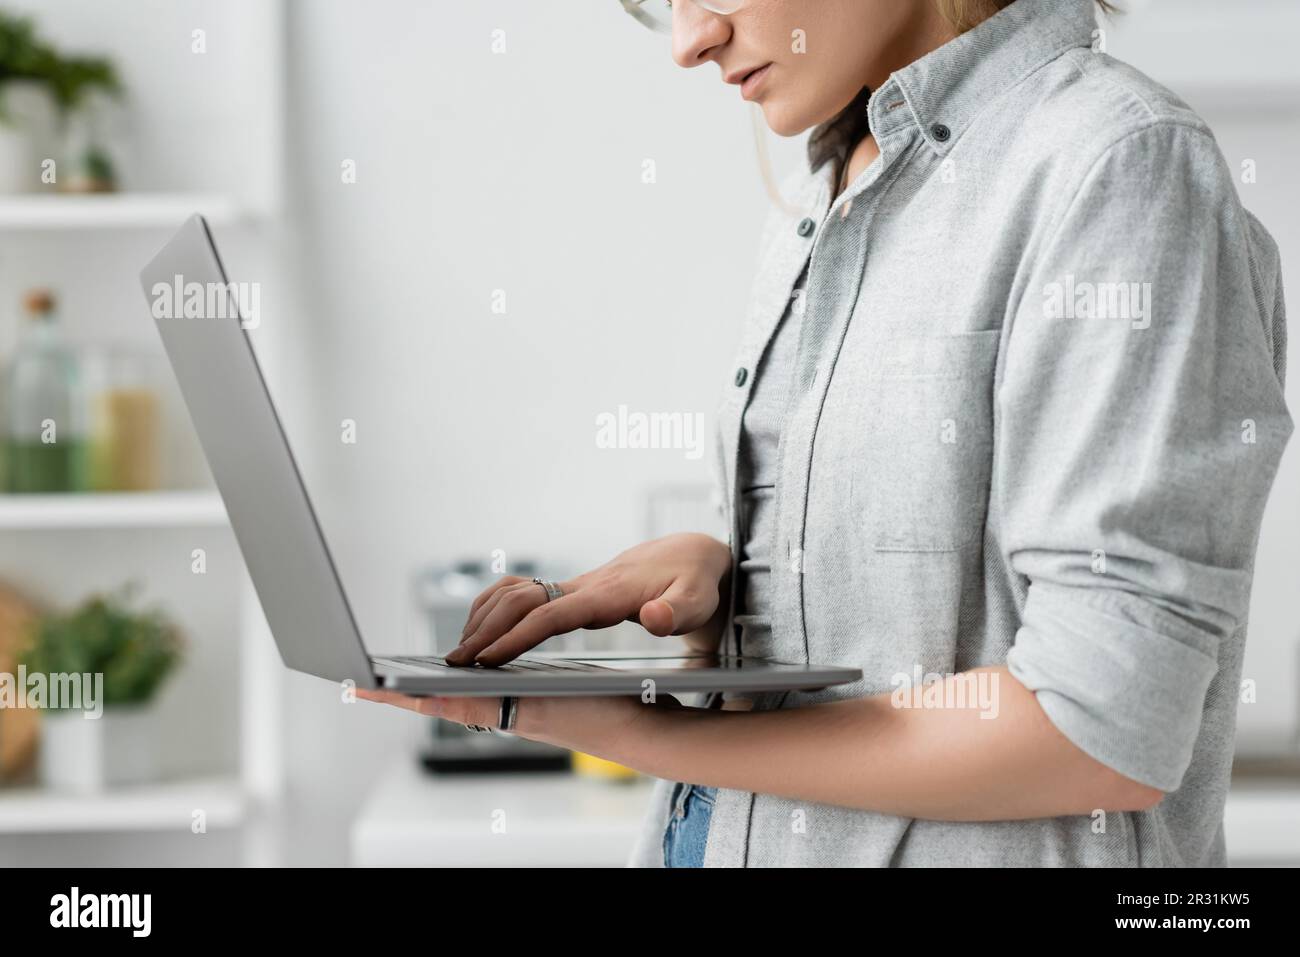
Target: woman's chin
782,121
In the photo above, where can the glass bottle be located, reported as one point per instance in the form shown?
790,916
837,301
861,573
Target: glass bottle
45,434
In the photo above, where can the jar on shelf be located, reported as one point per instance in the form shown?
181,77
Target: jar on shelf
27,134
91,145
45,434
124,416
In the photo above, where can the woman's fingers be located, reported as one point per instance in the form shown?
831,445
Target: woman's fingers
669,585
485,602
683,607
657,617
484,712
518,618
588,608
487,593
502,612
424,706
476,618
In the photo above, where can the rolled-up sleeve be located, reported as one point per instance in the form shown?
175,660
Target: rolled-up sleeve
1140,423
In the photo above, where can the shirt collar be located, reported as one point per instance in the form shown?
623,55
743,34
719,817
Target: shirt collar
946,89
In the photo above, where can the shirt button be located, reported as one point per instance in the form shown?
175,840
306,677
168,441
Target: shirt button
806,228
941,133
741,375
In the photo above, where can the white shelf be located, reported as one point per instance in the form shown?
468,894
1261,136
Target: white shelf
157,807
111,211
180,509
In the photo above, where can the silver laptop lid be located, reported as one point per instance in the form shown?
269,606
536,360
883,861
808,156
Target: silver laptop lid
248,453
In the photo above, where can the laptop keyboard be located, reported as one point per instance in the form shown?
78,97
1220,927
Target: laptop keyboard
550,666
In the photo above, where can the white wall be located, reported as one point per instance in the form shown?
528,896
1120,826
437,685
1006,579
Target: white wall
519,172
479,171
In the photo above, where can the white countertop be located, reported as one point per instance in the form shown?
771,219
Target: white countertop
1261,823
416,819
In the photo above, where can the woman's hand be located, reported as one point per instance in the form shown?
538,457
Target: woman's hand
672,586
610,727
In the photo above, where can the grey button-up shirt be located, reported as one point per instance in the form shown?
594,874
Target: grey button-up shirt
1037,408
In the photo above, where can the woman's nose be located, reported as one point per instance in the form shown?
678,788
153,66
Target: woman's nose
697,34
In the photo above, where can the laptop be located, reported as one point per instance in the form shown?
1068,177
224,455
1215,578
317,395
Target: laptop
197,312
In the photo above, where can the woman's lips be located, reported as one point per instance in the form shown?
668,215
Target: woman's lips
754,82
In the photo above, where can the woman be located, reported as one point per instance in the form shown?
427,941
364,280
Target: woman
1006,411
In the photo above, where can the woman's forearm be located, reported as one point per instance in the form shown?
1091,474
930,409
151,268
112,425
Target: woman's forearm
943,763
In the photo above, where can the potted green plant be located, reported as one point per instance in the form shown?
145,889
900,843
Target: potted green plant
39,87
26,104
128,654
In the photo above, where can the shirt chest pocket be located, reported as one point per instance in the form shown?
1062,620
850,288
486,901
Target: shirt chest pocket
924,484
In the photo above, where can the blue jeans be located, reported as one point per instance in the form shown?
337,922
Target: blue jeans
687,832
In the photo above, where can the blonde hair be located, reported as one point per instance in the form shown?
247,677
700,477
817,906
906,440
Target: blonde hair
967,14
834,139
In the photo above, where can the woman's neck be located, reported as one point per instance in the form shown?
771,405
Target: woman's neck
862,156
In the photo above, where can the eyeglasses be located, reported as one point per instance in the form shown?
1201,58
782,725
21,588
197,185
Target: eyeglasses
658,14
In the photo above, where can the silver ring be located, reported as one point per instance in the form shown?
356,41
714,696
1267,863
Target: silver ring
478,728
552,590
509,711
